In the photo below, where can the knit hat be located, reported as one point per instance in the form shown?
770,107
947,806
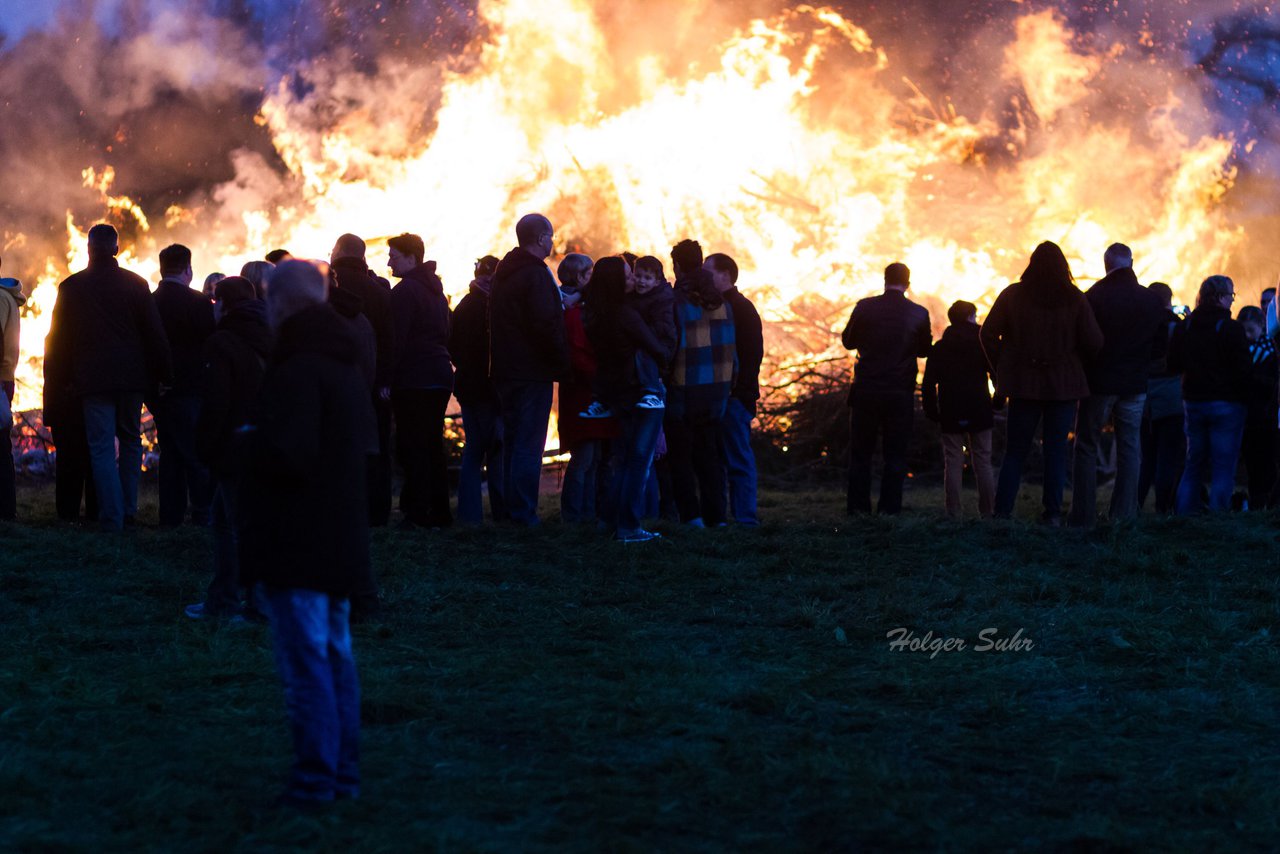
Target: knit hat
234,289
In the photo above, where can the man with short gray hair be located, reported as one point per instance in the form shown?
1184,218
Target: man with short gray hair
1133,333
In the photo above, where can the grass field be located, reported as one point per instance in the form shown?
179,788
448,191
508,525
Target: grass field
719,690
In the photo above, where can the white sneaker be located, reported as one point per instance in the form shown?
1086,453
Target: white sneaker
651,401
639,535
596,410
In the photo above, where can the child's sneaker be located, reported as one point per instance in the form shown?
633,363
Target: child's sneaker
651,401
596,410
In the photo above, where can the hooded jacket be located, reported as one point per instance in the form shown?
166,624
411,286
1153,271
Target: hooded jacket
105,335
469,347
420,314
955,392
303,515
11,299
1038,336
889,332
1132,322
353,276
235,358
526,322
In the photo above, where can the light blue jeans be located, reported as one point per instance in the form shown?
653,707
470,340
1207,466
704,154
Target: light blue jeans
1214,431
739,462
108,417
1126,413
312,636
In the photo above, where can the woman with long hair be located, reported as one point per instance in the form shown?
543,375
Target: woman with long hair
1038,335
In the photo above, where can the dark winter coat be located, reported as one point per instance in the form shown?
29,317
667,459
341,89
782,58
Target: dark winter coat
617,340
469,349
353,276
304,518
749,334
420,315
235,358
889,332
351,309
657,309
1132,320
526,322
1211,352
187,316
577,390
1038,337
1262,383
105,335
955,392
1164,387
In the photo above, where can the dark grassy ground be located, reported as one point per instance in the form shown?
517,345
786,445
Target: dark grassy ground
720,690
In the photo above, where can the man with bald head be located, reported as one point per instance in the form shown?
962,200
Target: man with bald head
528,353
359,291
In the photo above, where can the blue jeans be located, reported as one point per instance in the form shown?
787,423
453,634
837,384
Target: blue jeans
1214,430
578,492
481,458
740,462
312,638
108,417
526,408
1024,417
183,477
1126,413
640,428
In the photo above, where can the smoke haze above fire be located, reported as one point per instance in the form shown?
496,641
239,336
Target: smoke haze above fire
814,147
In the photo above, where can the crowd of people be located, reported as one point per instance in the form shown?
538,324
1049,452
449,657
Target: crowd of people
277,394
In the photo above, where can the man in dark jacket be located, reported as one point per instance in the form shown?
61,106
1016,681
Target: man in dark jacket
1132,323
188,322
1211,352
955,393
107,345
528,353
235,357
421,381
305,531
1164,437
890,332
353,278
735,428
482,455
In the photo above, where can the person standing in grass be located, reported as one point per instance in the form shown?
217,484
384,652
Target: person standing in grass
107,348
1038,335
1258,446
1164,440
890,332
955,393
528,354
11,299
735,427
421,378
1133,333
305,525
234,359
1211,352
481,421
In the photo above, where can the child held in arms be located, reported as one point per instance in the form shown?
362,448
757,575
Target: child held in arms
956,395
654,300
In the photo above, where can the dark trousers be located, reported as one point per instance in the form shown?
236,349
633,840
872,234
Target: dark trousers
1258,448
183,478
224,594
8,476
1024,417
526,410
1164,452
482,457
424,498
73,476
378,469
697,468
887,416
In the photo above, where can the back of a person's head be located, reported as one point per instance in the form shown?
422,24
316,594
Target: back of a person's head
1252,314
1215,287
348,246
409,245
650,264
276,256
1163,291
898,275
961,311
631,258
1048,268
293,287
1117,256
486,265
174,260
686,256
571,270
1267,295
233,290
258,272
531,228
103,241
607,286
722,263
